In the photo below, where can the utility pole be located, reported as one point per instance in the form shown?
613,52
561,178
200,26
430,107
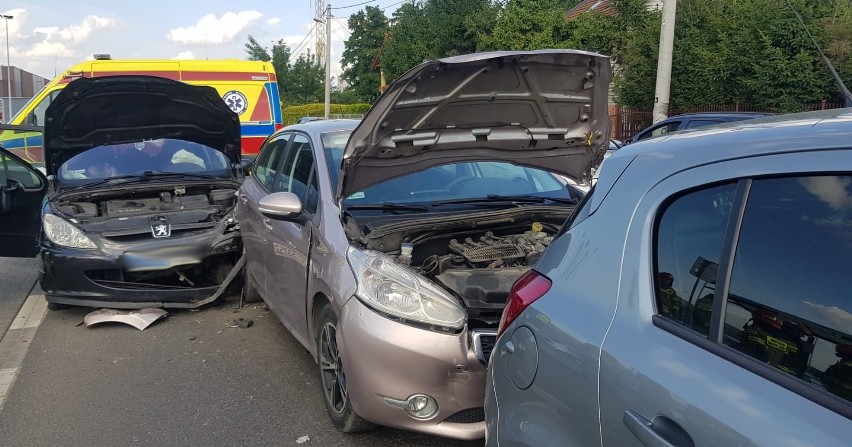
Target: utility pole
664,61
8,72
327,60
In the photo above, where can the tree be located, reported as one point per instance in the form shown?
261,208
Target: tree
281,63
430,29
527,25
368,28
305,81
255,51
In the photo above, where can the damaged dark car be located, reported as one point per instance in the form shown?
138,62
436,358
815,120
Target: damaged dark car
137,208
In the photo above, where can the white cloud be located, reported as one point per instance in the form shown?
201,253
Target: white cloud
49,49
16,23
273,21
831,190
59,42
184,55
212,30
831,316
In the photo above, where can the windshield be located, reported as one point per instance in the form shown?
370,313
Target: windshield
447,182
162,155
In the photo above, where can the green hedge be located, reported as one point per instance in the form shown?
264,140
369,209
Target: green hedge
292,113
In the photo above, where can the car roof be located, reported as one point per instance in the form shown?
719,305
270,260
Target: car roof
665,155
322,126
719,115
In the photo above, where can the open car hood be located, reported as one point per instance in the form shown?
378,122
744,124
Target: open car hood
545,109
91,112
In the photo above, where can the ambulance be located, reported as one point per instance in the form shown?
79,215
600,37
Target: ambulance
249,88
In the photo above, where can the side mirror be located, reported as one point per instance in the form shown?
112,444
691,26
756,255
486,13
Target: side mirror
281,206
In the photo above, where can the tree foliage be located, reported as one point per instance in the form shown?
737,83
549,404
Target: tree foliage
305,81
368,28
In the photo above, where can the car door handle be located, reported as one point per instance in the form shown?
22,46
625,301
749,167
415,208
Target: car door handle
267,223
662,432
243,197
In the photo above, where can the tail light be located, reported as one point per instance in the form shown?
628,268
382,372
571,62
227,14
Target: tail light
528,288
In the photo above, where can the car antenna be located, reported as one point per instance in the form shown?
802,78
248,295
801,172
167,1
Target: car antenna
846,94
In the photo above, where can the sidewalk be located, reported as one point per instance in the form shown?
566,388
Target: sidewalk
17,277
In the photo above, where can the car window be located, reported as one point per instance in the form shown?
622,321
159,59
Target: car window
296,172
692,124
166,155
789,302
689,239
37,117
13,171
266,166
660,129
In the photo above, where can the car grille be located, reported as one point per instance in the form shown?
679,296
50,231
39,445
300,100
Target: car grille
469,416
483,344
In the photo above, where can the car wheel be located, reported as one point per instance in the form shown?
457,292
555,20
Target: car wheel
57,306
249,292
333,377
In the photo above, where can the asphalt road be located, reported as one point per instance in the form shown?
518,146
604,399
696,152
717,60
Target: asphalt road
188,379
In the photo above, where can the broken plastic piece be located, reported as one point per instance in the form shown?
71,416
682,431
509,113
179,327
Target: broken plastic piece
140,319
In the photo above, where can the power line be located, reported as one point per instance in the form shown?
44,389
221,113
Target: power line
299,47
394,4
345,28
357,4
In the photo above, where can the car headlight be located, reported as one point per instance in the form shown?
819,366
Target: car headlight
61,232
400,292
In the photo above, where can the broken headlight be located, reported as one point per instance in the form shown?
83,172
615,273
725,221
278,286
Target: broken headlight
398,291
61,232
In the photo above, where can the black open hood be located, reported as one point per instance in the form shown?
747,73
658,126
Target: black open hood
91,112
546,109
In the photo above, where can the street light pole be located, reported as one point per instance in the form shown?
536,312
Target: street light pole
8,70
327,60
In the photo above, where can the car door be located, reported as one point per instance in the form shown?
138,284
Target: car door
734,318
254,230
288,261
22,190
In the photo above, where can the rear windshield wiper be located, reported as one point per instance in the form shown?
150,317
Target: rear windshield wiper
491,198
387,206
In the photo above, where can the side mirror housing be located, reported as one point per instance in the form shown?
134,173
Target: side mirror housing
281,206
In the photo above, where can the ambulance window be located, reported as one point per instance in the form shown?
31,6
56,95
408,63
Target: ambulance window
789,304
36,117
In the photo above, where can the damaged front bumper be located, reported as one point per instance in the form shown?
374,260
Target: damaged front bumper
185,272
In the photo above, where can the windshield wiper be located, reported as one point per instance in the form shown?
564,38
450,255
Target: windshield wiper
387,206
141,177
492,198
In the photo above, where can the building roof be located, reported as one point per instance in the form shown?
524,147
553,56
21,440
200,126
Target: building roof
604,7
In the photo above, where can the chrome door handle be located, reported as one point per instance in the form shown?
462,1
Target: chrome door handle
662,433
267,223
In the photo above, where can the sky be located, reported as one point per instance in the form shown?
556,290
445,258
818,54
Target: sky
48,36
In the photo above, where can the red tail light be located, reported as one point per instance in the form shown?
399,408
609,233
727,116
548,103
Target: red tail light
528,288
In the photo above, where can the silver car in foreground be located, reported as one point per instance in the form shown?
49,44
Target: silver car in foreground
699,296
388,246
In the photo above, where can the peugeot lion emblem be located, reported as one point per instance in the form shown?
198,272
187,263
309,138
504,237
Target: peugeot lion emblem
160,227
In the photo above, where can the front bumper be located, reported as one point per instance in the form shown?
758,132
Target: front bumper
98,278
387,361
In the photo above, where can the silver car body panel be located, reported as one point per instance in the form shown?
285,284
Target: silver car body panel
545,109
140,319
601,356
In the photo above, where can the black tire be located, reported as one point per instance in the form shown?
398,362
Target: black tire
249,292
333,377
57,306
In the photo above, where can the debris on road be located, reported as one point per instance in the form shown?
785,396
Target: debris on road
140,319
303,439
241,323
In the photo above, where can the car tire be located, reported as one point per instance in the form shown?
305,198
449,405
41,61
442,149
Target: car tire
333,378
57,306
249,291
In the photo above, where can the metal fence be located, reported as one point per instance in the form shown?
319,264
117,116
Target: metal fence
628,121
